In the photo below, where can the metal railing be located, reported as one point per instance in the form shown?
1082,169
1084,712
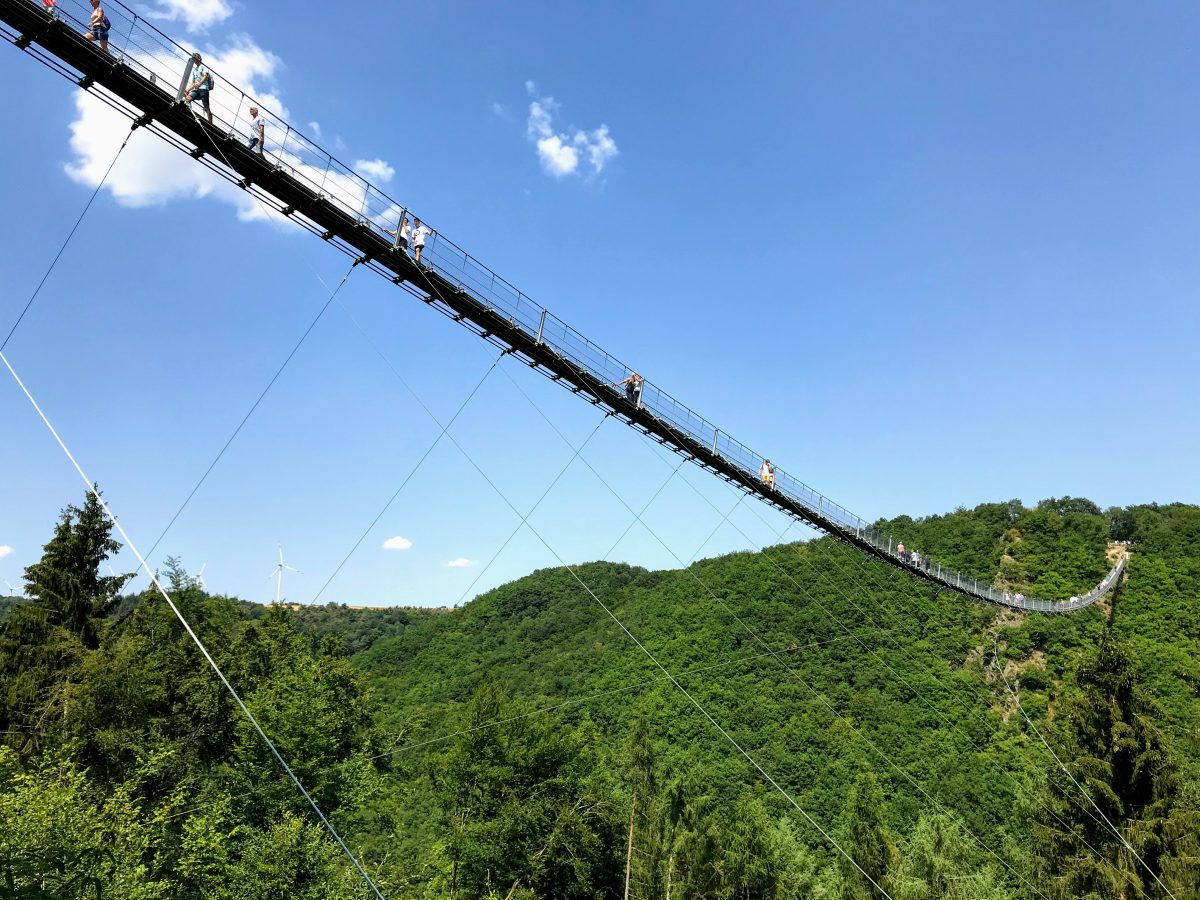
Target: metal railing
135,42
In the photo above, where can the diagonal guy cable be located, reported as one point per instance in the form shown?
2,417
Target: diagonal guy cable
645,650
413,471
532,509
654,659
495,723
249,413
1067,772
804,682
91,486
71,234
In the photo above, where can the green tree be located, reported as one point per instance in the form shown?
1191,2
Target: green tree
867,840
939,862
47,639
60,837
1119,758
521,808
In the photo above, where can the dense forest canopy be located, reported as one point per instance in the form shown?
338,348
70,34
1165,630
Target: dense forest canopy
520,747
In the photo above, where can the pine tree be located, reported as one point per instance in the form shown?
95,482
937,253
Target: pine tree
46,639
1114,751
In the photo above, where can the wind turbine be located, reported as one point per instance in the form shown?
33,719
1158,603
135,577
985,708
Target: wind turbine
12,591
277,574
198,581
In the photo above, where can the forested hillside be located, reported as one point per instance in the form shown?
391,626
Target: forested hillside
506,748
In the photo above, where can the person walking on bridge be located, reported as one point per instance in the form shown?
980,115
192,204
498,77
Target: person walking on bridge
767,473
50,8
419,233
202,82
98,26
633,388
258,130
402,234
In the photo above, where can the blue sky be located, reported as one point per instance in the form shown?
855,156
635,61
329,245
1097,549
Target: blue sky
922,256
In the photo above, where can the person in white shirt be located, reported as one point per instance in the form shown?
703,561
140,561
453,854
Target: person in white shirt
258,130
419,233
767,473
402,234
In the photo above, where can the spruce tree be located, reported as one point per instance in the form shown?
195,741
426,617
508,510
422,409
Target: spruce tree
1126,777
47,638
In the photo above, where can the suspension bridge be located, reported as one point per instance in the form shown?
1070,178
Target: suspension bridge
144,75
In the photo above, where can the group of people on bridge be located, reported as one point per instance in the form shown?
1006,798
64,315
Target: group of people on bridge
198,89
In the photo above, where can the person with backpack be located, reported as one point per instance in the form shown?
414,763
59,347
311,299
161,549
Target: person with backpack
98,26
202,83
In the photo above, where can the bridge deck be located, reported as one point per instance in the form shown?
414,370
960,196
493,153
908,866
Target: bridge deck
300,180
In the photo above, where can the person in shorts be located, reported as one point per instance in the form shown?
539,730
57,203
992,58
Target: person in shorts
401,234
98,26
419,234
200,86
766,472
633,388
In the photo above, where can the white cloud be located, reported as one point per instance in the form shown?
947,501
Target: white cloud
500,110
196,14
6,550
561,153
461,563
558,159
530,88
375,169
397,543
153,173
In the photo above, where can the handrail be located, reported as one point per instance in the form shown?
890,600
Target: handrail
159,60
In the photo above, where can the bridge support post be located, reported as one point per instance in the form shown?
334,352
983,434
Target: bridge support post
403,216
541,326
716,431
187,77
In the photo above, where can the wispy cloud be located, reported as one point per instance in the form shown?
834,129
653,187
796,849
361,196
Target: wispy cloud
195,14
461,563
5,550
376,170
397,543
566,152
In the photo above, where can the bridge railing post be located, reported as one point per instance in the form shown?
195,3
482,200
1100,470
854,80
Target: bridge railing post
187,79
237,117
